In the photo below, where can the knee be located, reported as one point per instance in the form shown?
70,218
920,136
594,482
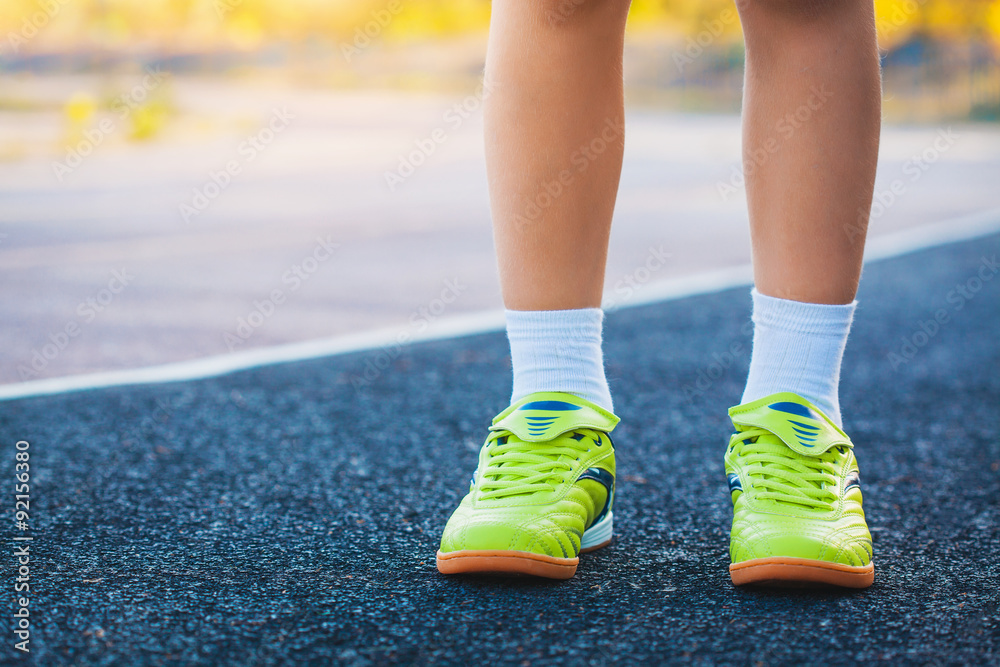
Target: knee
565,13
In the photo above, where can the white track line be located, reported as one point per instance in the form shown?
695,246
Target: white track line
890,245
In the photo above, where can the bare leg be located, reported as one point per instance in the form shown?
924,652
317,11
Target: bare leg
554,140
811,126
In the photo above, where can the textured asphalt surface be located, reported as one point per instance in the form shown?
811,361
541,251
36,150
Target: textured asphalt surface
286,515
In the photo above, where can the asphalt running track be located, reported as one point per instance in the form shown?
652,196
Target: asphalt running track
283,515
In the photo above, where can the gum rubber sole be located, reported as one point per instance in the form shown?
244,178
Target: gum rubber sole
509,562
781,571
506,562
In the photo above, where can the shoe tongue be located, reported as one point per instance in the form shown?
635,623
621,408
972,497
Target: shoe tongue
795,421
544,415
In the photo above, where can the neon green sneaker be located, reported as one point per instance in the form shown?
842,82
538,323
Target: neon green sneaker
542,492
796,494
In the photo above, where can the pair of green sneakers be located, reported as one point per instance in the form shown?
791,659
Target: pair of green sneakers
544,490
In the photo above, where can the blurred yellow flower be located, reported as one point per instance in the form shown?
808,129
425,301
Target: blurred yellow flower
80,108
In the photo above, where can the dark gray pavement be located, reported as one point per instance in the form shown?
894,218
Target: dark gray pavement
286,515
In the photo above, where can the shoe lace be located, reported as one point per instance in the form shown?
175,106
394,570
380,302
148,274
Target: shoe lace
515,467
778,473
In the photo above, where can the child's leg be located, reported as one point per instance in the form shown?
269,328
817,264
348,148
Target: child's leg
812,115
543,490
555,68
811,127
554,140
810,131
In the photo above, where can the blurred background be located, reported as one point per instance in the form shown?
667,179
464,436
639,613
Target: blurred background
940,56
185,178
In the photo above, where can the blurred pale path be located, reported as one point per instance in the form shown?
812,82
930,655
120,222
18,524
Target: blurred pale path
108,254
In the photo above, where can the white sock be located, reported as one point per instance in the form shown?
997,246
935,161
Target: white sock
558,350
798,347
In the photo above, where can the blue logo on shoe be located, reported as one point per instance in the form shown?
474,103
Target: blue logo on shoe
734,483
806,432
794,409
555,406
538,425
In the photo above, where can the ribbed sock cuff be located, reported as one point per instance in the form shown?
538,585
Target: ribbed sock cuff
558,350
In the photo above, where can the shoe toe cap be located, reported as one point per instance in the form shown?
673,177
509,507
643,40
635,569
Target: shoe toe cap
499,531
849,545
